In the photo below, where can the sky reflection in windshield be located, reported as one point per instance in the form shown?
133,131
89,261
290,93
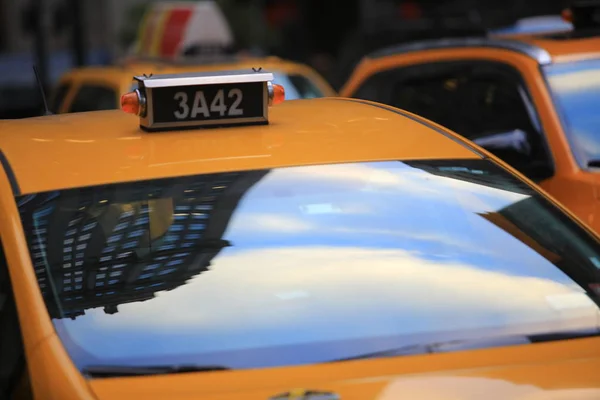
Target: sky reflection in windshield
330,261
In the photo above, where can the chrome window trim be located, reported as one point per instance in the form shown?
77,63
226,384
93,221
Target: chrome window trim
537,53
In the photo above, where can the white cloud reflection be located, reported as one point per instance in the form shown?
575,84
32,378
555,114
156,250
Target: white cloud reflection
586,142
270,222
576,81
353,188
347,293
387,176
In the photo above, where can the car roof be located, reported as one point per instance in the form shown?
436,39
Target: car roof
108,72
544,48
563,48
139,65
217,63
102,147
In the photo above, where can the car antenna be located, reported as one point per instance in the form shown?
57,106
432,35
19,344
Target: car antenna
41,87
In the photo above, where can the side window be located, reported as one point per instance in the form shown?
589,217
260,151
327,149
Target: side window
94,98
485,102
305,87
58,97
13,370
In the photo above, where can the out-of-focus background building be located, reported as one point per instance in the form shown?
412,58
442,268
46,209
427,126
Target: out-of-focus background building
329,35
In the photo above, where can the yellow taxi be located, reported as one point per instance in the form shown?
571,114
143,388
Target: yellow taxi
533,100
212,241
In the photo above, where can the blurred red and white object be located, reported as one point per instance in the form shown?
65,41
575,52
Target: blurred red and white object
169,29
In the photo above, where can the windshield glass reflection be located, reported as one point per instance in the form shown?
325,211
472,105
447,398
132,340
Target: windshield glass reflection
576,90
305,264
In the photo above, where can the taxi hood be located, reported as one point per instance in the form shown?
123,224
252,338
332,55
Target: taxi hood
381,379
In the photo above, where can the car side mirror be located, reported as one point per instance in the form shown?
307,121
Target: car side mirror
513,143
514,148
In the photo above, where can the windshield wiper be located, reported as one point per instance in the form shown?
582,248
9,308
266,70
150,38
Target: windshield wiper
456,345
593,163
106,371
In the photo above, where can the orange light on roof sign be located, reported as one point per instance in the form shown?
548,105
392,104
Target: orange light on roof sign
276,94
131,103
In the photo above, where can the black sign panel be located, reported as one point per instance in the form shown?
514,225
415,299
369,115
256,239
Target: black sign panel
208,102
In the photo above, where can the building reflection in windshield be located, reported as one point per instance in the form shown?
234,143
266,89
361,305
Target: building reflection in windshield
106,246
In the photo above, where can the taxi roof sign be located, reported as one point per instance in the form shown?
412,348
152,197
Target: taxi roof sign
206,99
205,78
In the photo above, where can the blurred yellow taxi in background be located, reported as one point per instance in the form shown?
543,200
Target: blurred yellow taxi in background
532,100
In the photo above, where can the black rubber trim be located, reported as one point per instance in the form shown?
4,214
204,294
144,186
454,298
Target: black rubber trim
418,120
10,174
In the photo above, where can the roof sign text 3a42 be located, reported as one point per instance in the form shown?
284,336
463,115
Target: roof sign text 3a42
210,99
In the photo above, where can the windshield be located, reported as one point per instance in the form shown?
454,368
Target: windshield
575,87
306,264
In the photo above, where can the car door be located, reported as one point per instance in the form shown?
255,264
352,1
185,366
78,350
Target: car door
486,99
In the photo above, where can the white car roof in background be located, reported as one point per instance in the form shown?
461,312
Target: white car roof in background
168,28
538,24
